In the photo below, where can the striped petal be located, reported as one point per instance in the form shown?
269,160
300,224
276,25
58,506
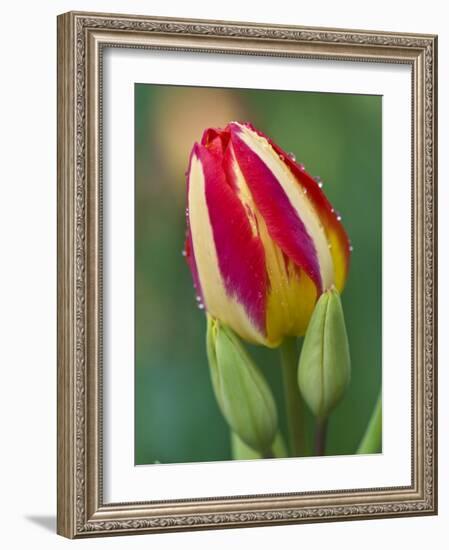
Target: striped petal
291,219
188,246
337,237
228,256
291,292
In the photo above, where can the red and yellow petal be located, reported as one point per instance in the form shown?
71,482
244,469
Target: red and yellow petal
291,219
229,258
338,240
291,294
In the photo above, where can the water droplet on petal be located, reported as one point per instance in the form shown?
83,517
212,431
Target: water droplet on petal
304,191
200,306
292,156
198,298
184,253
320,184
302,167
332,210
351,248
338,217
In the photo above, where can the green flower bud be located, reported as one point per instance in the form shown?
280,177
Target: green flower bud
324,364
243,395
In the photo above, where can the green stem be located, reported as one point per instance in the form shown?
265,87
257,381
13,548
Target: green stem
372,440
293,400
268,454
320,437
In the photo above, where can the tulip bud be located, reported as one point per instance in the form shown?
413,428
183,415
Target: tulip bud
243,395
324,364
263,242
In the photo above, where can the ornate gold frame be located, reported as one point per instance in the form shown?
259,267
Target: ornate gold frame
81,39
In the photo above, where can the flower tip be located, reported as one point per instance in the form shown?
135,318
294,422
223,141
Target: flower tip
209,135
196,150
238,126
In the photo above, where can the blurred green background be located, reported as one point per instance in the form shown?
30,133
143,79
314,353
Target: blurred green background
337,137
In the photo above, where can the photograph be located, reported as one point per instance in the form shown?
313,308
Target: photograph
223,316
247,281
258,274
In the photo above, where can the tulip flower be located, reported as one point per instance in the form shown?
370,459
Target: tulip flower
263,242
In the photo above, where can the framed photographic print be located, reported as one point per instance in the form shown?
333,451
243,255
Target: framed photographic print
246,274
